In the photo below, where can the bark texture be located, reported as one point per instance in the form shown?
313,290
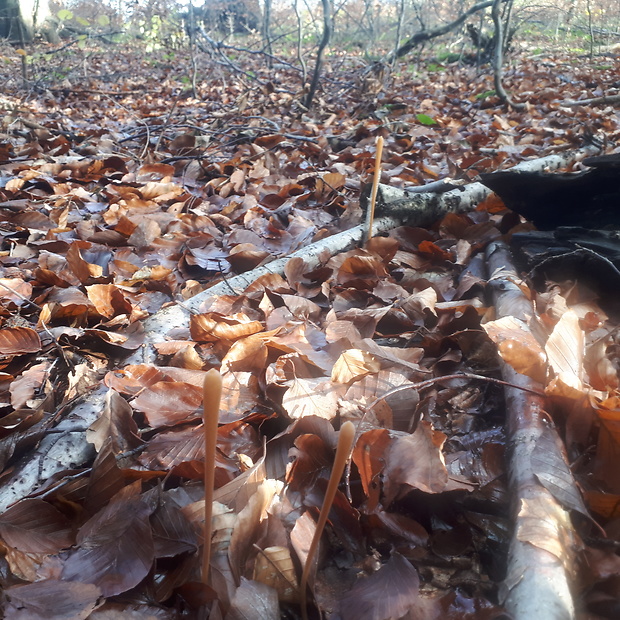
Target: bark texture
540,559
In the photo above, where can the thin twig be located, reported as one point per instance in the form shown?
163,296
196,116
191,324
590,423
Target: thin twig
463,375
25,299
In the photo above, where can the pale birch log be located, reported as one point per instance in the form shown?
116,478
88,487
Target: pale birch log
540,557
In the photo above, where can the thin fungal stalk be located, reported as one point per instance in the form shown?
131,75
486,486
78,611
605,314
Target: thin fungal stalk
375,187
212,393
343,450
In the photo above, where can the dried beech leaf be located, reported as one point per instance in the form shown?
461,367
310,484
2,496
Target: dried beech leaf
415,461
10,286
545,524
173,534
114,548
248,523
169,402
24,387
115,424
240,394
354,364
51,600
35,526
369,457
212,327
551,468
389,593
253,600
307,397
565,352
274,567
19,340
132,379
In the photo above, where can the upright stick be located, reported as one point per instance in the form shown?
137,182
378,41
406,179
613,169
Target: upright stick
375,187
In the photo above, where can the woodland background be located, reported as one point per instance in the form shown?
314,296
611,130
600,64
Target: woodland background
182,188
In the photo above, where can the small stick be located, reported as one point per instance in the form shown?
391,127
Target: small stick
14,292
212,393
459,375
345,443
375,187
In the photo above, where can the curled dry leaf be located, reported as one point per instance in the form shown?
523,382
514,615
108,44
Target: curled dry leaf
369,457
518,347
116,425
248,524
19,340
23,388
565,350
108,300
212,326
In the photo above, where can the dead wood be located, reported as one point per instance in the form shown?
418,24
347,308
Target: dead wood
541,557
594,101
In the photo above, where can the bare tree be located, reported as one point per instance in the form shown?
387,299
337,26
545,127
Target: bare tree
426,35
327,35
498,56
266,31
399,27
300,55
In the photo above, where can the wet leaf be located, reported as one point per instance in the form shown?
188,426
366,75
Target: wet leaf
51,599
415,461
388,593
34,526
114,548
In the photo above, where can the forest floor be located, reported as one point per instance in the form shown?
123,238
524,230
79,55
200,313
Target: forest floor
121,192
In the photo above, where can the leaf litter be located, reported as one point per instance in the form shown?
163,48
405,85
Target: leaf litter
97,237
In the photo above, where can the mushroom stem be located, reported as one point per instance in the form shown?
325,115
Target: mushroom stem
212,392
343,450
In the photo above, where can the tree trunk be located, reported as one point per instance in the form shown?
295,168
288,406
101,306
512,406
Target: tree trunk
21,19
327,35
498,58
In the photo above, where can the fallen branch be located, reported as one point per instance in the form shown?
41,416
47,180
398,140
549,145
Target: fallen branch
540,557
594,101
